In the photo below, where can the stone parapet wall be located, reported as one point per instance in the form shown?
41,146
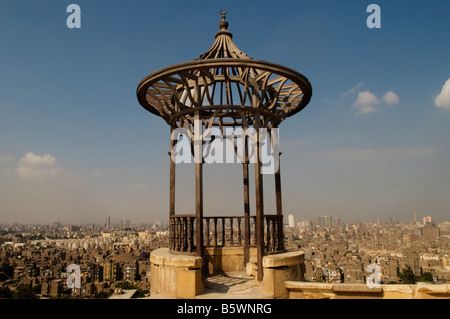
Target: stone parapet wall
226,259
177,276
279,268
311,290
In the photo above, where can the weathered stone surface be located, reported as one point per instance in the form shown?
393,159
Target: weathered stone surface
226,259
189,283
398,291
356,291
279,268
273,282
312,290
176,276
287,259
306,290
163,257
353,288
251,269
431,291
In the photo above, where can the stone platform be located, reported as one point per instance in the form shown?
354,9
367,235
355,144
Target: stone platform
180,276
232,286
227,286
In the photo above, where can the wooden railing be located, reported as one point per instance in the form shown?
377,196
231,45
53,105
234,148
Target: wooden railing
182,233
274,233
225,231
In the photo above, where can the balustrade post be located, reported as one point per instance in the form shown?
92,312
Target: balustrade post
215,231
253,233
189,234
207,232
239,231
171,234
231,231
223,231
281,233
274,234
178,231
185,234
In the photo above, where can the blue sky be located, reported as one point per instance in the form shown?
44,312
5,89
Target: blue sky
75,145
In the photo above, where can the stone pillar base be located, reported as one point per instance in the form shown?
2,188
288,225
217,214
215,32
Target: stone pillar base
177,276
279,268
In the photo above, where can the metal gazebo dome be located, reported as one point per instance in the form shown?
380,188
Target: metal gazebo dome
226,83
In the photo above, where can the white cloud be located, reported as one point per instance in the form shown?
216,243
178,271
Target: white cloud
443,99
390,98
33,166
365,103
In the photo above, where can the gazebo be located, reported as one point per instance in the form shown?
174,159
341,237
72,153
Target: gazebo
225,89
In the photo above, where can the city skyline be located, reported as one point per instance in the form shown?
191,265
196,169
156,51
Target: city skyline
404,255
75,145
290,220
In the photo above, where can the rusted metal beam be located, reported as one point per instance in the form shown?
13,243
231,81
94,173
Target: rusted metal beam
246,204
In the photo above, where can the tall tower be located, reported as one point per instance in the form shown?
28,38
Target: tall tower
323,221
107,222
292,221
337,221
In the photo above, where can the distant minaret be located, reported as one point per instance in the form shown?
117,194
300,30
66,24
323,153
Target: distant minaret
415,217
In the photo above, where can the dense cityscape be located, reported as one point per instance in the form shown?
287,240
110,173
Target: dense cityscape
34,259
340,252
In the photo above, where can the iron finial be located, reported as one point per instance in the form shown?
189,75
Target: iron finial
223,24
223,13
